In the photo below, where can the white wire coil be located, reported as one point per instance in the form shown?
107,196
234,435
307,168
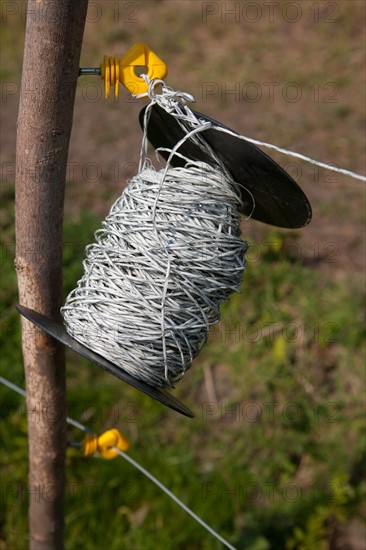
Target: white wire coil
168,255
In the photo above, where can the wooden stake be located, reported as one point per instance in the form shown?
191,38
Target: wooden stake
53,40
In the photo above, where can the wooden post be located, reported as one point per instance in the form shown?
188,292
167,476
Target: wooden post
54,32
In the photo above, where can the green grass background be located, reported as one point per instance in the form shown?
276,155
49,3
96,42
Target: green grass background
274,458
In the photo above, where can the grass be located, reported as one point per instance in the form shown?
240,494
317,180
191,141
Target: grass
262,465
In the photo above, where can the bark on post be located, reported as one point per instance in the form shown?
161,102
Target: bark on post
54,32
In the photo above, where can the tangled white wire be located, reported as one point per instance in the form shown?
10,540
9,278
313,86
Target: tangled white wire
168,255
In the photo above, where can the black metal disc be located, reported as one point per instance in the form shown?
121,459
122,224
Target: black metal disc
58,331
278,199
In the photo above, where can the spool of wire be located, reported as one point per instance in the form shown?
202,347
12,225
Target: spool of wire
168,254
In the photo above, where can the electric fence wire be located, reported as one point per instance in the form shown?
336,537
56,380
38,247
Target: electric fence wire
330,167
187,97
138,466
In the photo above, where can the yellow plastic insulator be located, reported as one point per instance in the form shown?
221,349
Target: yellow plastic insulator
114,71
104,444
